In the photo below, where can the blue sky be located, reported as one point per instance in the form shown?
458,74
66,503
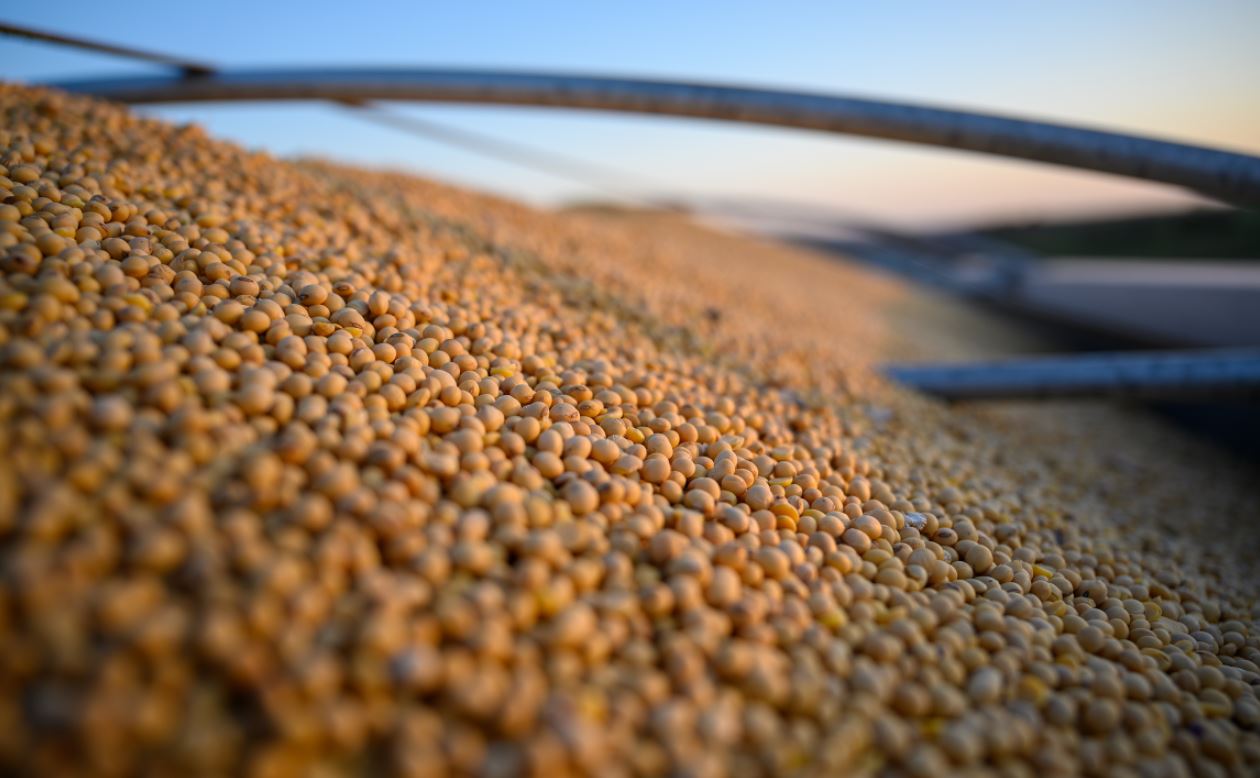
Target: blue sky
1184,70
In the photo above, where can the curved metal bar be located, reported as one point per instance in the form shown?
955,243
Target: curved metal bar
1147,375
1227,176
186,66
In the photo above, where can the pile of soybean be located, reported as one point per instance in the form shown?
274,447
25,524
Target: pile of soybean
312,471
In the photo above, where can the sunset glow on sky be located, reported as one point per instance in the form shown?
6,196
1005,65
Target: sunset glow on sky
1184,71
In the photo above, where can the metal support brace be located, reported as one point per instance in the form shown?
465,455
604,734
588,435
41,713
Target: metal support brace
1227,176
1148,375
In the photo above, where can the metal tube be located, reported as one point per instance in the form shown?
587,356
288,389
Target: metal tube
188,67
616,183
1146,375
1228,176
